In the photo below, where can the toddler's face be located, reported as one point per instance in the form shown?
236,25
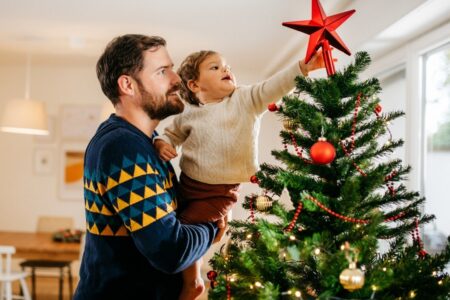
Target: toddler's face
215,80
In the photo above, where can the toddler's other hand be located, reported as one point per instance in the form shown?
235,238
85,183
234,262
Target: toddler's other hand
165,150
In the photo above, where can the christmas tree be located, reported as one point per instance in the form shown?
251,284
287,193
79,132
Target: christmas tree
347,195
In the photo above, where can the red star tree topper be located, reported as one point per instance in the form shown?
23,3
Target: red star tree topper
321,30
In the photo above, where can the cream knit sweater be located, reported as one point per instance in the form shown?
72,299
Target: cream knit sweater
220,140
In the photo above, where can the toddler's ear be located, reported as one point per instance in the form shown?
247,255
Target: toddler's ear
192,85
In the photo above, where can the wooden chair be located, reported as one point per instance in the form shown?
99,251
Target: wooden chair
51,224
7,276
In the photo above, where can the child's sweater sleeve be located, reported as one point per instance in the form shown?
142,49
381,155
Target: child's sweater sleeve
174,134
258,96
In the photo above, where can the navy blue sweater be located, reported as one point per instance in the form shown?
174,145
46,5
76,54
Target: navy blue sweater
135,246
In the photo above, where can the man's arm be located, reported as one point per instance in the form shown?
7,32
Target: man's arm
140,188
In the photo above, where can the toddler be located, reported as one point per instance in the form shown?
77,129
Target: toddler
218,132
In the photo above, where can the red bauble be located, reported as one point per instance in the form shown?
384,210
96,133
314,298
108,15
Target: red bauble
254,179
378,109
322,152
272,107
211,275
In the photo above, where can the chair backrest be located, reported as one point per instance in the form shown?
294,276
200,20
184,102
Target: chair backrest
52,224
5,258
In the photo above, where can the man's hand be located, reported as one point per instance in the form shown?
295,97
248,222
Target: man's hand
165,150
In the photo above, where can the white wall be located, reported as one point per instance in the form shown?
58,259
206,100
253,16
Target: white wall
56,81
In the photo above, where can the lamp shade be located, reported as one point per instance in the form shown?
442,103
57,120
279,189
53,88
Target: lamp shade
25,116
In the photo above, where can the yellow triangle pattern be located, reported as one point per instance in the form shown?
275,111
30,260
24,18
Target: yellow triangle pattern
138,171
160,213
148,192
101,188
122,231
150,169
94,229
105,211
135,225
159,190
124,176
121,204
94,208
107,231
135,198
111,183
147,220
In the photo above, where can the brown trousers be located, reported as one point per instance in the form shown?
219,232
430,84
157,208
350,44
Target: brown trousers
202,202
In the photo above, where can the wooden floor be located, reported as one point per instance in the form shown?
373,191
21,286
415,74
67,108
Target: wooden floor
47,288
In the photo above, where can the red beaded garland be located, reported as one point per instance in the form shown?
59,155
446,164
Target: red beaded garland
349,219
294,220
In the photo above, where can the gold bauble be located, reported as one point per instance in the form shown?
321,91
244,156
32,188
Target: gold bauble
352,278
263,203
289,125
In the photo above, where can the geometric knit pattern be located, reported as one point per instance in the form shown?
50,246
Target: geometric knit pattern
129,196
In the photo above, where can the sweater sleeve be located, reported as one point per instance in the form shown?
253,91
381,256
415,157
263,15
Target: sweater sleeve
270,90
141,190
174,133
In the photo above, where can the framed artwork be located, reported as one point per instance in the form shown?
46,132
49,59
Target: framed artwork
79,122
43,161
71,171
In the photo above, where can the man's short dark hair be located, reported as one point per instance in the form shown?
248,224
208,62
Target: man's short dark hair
123,56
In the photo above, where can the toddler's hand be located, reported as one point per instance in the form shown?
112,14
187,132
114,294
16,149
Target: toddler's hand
165,150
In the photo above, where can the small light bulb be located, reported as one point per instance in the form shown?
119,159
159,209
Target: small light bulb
384,269
374,288
249,236
412,294
298,294
358,226
289,292
434,273
251,286
292,237
342,247
317,251
258,284
440,282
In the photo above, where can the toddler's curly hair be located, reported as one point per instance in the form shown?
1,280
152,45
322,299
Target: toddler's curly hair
189,70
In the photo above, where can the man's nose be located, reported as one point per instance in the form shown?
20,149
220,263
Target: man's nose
175,77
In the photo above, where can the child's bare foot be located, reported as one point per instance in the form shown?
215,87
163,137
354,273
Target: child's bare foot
192,290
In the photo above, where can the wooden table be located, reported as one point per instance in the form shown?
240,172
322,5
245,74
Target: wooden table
32,245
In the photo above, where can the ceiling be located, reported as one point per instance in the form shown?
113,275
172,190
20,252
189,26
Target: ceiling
247,32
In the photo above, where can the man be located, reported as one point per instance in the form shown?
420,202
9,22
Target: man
135,246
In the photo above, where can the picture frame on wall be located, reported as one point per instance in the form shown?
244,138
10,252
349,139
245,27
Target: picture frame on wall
79,122
43,161
71,171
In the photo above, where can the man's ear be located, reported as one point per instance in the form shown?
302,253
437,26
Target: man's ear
192,85
126,86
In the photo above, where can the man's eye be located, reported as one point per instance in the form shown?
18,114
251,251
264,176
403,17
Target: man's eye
215,68
162,72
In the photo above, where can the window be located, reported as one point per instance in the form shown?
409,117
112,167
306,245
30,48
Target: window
436,147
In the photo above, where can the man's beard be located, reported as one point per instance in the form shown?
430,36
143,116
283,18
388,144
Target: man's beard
160,107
